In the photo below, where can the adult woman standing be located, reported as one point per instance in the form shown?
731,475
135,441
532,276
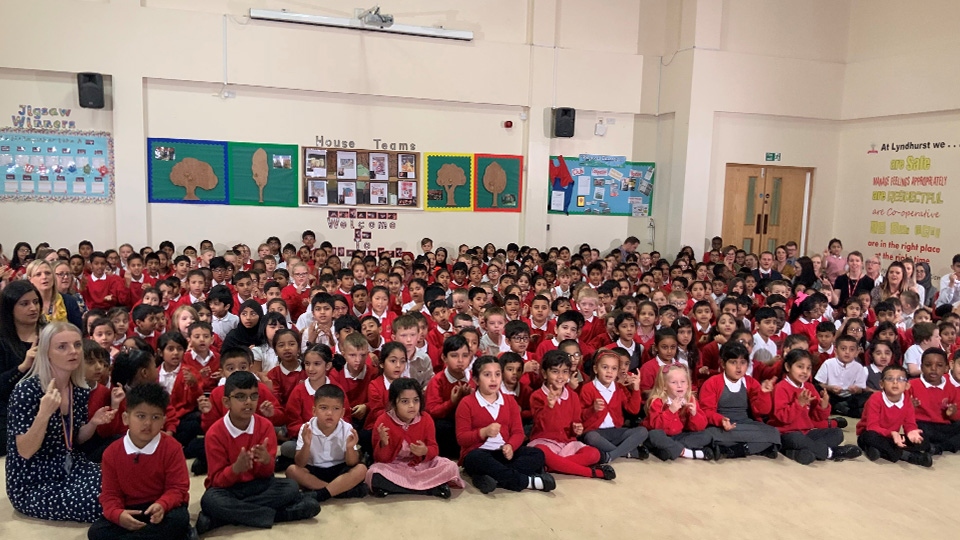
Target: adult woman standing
922,273
780,263
853,282
46,479
892,286
730,260
56,307
67,285
805,274
20,325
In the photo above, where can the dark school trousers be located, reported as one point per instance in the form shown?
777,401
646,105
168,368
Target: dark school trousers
174,526
885,445
946,435
616,442
257,503
818,441
668,448
511,474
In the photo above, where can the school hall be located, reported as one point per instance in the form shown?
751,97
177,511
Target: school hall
780,162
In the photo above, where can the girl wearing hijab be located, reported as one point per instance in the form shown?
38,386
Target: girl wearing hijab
246,334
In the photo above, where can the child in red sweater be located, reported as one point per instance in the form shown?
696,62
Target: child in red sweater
200,357
357,373
405,449
511,370
241,486
888,427
446,390
213,408
727,324
317,362
675,420
603,402
286,375
935,402
183,386
155,505
736,403
665,351
557,423
797,411
490,434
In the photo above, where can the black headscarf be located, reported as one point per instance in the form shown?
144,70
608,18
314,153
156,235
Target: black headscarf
926,283
241,336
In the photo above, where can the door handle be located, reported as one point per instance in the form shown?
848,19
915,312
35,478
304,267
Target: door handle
766,217
758,223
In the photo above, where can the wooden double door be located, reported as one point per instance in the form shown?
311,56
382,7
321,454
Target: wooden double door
764,207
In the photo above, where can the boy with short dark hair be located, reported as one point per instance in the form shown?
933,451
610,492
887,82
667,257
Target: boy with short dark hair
845,378
145,323
241,448
888,428
220,302
328,454
101,289
925,336
200,357
935,402
825,349
145,484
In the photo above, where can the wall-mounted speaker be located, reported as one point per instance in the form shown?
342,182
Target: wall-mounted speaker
90,89
564,119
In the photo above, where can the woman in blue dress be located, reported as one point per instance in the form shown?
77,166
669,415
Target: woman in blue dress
46,477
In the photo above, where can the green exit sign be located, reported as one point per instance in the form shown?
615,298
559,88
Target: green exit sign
773,156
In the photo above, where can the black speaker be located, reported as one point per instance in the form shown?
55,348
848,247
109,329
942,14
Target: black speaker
563,121
90,88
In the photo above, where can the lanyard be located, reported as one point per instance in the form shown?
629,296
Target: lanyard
68,433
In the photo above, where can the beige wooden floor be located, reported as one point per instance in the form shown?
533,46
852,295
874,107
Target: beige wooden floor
743,499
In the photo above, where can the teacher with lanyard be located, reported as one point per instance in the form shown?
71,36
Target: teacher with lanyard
854,282
46,478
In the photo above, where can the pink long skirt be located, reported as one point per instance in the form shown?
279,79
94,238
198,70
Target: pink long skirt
424,475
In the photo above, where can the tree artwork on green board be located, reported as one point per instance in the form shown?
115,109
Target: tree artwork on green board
499,185
449,182
187,171
263,174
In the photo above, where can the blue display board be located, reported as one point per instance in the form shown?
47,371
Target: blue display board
601,185
46,165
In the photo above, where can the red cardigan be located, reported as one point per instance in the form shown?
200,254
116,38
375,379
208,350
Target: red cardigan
378,397
294,300
932,401
161,477
438,400
555,424
673,423
284,383
623,398
183,398
222,451
789,416
885,420
421,430
760,401
471,418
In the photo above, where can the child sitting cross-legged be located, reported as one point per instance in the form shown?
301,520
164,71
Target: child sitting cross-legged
155,505
241,448
328,453
603,402
888,428
676,423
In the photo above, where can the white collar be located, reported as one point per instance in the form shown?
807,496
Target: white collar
451,379
607,389
132,449
556,343
286,371
629,349
822,351
386,382
134,280
953,381
875,369
310,389
795,385
507,391
101,278
484,403
731,385
164,372
360,377
234,431
544,327
886,400
203,360
943,383
224,318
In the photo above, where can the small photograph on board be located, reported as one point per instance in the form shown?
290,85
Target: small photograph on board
378,193
361,215
646,188
598,194
366,235
165,153
347,166
398,252
347,193
317,192
407,165
598,182
379,169
341,252
316,163
435,195
407,190
282,162
381,215
581,200
614,192
391,215
352,213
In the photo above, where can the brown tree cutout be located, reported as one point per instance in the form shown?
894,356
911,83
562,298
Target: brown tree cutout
261,170
495,180
190,174
450,177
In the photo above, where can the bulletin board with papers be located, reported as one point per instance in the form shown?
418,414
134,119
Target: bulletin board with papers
601,185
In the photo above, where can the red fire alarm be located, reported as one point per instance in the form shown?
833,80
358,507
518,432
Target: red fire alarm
508,124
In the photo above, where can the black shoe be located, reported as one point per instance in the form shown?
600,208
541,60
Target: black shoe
485,483
802,456
358,491
842,409
873,454
604,457
708,454
738,450
549,482
840,421
204,524
199,467
717,450
442,491
642,453
846,451
305,508
604,471
923,459
379,492
935,449
193,534
773,452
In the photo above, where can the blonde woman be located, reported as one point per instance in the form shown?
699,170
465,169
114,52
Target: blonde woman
47,477
56,307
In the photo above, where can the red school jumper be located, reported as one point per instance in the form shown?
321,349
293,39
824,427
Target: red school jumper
789,416
299,407
222,451
623,398
161,477
885,420
471,418
218,411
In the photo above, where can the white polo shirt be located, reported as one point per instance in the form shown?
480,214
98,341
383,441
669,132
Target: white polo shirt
833,372
326,450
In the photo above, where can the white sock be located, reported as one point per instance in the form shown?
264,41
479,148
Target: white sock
829,453
535,482
689,454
